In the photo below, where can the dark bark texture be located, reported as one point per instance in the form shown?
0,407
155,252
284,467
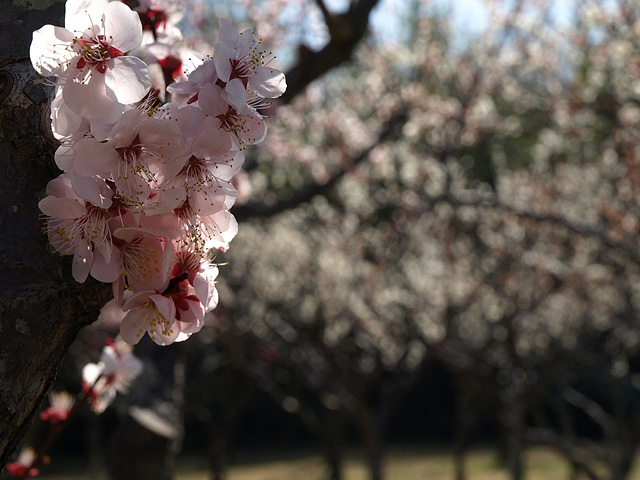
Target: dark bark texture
41,307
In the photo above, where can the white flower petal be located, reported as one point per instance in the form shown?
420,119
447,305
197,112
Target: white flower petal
122,26
268,82
90,373
65,122
205,73
165,331
134,325
65,156
228,34
211,141
82,14
89,99
211,101
50,51
127,78
103,271
254,129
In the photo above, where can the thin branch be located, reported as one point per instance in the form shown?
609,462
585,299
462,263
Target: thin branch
310,191
346,32
492,201
593,409
336,32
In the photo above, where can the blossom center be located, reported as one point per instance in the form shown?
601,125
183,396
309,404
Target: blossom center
171,68
95,52
140,262
152,20
132,161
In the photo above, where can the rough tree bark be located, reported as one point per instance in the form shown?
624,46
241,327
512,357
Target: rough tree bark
41,307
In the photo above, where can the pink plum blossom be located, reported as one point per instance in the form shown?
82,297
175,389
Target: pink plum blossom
22,467
159,19
206,184
202,233
152,313
240,58
88,59
144,260
75,227
201,275
60,405
114,372
198,78
146,190
189,309
140,154
244,123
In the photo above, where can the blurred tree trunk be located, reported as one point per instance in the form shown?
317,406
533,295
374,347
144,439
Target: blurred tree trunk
149,436
372,437
226,417
41,307
512,419
334,443
464,420
333,457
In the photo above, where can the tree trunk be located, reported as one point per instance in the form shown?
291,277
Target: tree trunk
374,447
333,435
513,424
41,307
333,456
149,437
372,438
464,421
621,461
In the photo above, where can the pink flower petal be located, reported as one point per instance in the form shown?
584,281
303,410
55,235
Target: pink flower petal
93,189
94,158
103,271
254,129
211,140
221,60
82,259
236,93
211,101
61,207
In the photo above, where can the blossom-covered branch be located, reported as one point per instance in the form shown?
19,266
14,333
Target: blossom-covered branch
145,195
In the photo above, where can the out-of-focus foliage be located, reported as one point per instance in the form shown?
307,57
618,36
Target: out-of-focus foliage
477,205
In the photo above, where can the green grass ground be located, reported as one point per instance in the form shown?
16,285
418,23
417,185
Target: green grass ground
409,464
400,464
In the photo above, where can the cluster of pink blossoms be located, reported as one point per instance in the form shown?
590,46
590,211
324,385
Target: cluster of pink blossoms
145,195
